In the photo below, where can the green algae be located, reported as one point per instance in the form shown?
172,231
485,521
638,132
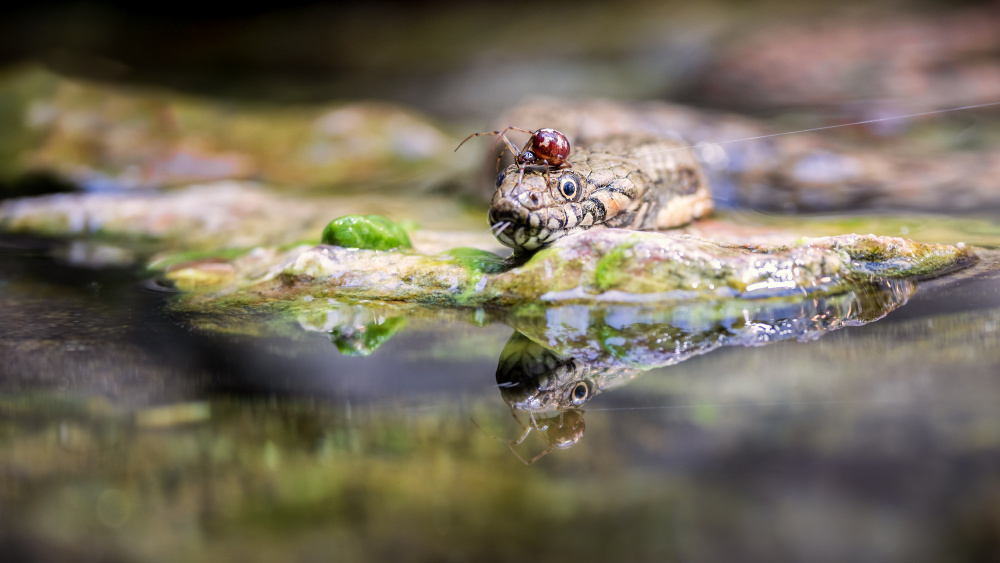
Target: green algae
371,232
479,261
608,272
476,263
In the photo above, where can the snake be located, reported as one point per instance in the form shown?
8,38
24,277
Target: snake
536,379
622,182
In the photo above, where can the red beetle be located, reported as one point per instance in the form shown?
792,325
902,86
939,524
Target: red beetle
546,146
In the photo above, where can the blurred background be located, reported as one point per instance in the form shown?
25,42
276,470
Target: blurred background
783,66
470,60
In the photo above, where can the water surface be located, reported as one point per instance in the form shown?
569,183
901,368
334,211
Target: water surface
128,432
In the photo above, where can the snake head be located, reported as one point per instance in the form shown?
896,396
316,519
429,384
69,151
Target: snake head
535,379
531,209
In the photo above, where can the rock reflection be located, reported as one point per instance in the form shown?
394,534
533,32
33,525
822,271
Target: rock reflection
355,331
559,358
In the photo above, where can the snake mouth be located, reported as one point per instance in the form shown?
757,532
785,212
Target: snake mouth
508,212
508,221
512,225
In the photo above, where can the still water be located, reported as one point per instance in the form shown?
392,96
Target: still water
860,427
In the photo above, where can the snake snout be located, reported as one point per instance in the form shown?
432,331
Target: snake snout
505,211
517,212
528,192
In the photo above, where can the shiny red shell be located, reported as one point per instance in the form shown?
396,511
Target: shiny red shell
549,146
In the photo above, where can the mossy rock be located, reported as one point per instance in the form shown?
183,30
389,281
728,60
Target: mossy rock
597,266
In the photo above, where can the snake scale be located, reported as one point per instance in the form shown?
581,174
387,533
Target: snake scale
622,182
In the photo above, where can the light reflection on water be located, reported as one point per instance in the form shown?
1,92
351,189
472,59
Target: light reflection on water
201,443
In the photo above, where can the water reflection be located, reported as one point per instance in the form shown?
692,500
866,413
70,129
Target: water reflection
548,387
354,331
560,358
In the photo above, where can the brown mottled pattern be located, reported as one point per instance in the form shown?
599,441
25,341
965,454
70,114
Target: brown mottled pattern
630,183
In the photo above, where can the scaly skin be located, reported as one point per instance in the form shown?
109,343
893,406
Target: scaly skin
534,379
626,183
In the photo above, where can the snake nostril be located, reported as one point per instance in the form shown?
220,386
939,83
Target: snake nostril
530,200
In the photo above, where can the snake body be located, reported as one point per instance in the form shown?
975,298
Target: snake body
624,182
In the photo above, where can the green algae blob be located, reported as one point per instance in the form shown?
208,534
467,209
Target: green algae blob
371,232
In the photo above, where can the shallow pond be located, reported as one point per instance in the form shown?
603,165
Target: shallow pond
806,431
859,422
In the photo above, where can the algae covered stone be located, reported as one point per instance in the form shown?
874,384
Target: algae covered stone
601,266
371,232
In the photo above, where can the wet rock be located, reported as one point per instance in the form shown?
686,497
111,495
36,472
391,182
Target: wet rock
597,266
615,265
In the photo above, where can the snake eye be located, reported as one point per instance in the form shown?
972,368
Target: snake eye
500,177
568,187
580,393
